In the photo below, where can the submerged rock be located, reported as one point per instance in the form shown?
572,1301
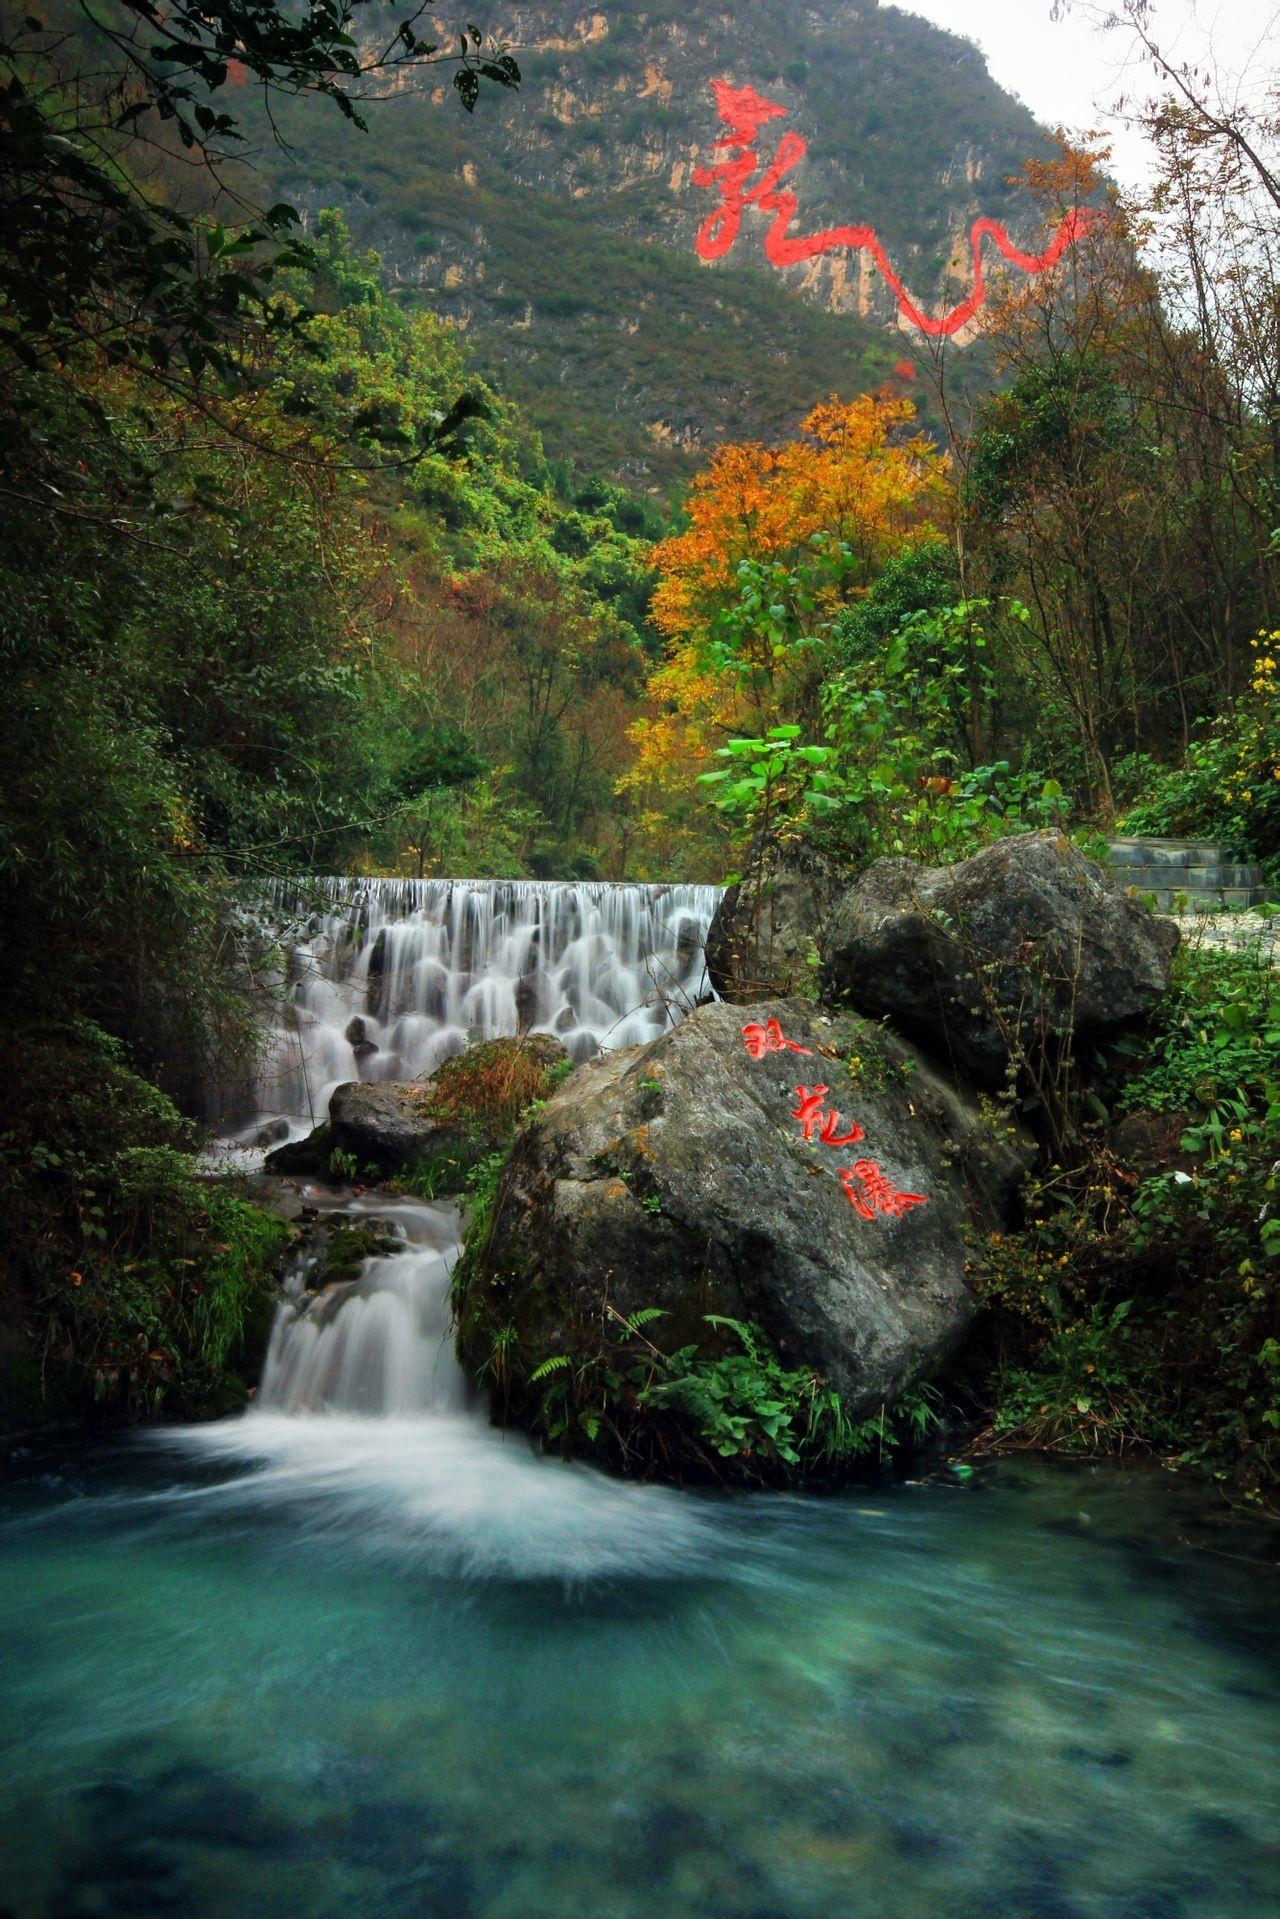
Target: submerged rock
690,1176
768,928
1011,952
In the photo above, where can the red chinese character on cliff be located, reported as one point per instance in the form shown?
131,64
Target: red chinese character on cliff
745,113
869,1192
813,1118
769,1039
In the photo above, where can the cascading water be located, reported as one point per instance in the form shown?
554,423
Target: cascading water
364,1412
388,978
381,1344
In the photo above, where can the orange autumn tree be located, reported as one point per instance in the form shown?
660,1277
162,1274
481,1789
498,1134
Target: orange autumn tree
778,538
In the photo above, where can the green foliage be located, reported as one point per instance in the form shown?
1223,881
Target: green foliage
745,1404
770,781
482,1185
906,730
923,580
1217,1042
1058,417
1227,787
182,702
1087,1390
81,113
1140,1305
135,1286
722,1406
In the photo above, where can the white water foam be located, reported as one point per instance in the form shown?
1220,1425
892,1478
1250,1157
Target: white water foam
365,1430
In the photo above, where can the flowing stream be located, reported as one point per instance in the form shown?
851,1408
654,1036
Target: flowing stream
355,1652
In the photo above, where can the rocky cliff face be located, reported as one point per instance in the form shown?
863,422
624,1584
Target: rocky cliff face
558,226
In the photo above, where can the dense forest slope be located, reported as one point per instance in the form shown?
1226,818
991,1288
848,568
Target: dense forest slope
559,226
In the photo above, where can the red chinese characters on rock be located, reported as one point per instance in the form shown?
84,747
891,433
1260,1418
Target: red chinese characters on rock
869,1191
745,112
769,1039
814,1118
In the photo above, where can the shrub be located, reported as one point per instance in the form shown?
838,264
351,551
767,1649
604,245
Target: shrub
1139,1304
490,1085
132,1285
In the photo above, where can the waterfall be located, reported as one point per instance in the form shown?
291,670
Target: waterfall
382,1344
386,978
365,1425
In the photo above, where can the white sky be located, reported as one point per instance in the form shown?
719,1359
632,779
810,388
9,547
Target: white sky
1070,74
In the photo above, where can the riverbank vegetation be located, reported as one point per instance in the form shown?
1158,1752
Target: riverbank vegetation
1135,1307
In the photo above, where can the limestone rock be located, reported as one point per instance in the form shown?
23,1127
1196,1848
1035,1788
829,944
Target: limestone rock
768,927
676,1176
1012,951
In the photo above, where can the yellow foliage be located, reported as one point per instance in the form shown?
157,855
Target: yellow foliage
855,476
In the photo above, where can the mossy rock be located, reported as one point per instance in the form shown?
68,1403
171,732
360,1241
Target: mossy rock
302,1156
345,1250
429,1133
669,1197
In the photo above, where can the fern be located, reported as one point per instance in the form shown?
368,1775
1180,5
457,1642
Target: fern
557,1364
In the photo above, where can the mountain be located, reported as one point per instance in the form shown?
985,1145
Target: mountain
558,225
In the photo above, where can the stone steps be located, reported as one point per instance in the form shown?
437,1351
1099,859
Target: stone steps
1188,876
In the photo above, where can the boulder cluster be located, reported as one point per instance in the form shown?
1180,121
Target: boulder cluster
805,1155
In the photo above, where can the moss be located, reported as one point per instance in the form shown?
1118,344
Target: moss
345,1252
309,1155
131,1286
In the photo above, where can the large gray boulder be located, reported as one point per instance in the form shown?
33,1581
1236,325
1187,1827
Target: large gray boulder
768,928
676,1176
384,1123
1000,959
